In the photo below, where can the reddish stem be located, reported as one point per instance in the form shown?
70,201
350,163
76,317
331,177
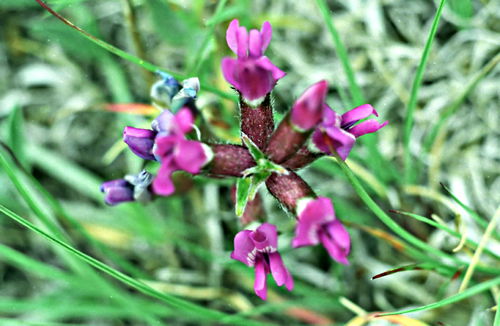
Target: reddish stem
285,141
302,158
287,189
257,122
229,160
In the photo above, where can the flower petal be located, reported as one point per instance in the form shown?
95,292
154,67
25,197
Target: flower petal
352,116
231,35
228,66
189,155
113,183
289,284
266,237
242,39
266,33
255,44
184,120
334,249
140,141
164,122
313,215
339,234
244,248
278,269
260,284
116,195
307,111
366,127
334,138
276,73
164,145
162,184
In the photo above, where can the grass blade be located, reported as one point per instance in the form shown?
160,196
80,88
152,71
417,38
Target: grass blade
196,311
454,298
409,174
354,88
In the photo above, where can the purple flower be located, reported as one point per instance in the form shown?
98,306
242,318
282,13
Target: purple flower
259,249
174,151
340,132
308,109
140,141
130,188
317,223
117,191
252,73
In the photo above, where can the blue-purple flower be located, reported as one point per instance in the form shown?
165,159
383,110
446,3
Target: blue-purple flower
258,249
130,188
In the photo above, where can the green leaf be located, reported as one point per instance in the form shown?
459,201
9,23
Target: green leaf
242,190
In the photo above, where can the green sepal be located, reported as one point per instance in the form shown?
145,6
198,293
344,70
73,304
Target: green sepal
242,192
255,151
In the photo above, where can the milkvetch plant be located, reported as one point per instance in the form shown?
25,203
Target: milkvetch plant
268,154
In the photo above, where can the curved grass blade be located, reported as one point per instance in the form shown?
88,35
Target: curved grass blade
396,227
409,174
452,299
450,110
445,228
129,57
194,310
354,88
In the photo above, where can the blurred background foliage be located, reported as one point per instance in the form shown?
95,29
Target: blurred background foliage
64,141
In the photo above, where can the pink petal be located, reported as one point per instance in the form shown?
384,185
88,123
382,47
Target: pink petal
270,236
366,127
317,212
337,252
339,234
254,44
278,269
164,145
307,111
244,248
242,39
358,113
162,184
289,284
231,35
189,155
266,33
260,284
184,120
267,65
229,66
334,138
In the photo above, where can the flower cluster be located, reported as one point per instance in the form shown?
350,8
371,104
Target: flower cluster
269,155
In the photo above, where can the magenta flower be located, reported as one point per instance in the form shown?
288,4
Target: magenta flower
252,73
317,223
259,249
174,151
308,109
340,132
